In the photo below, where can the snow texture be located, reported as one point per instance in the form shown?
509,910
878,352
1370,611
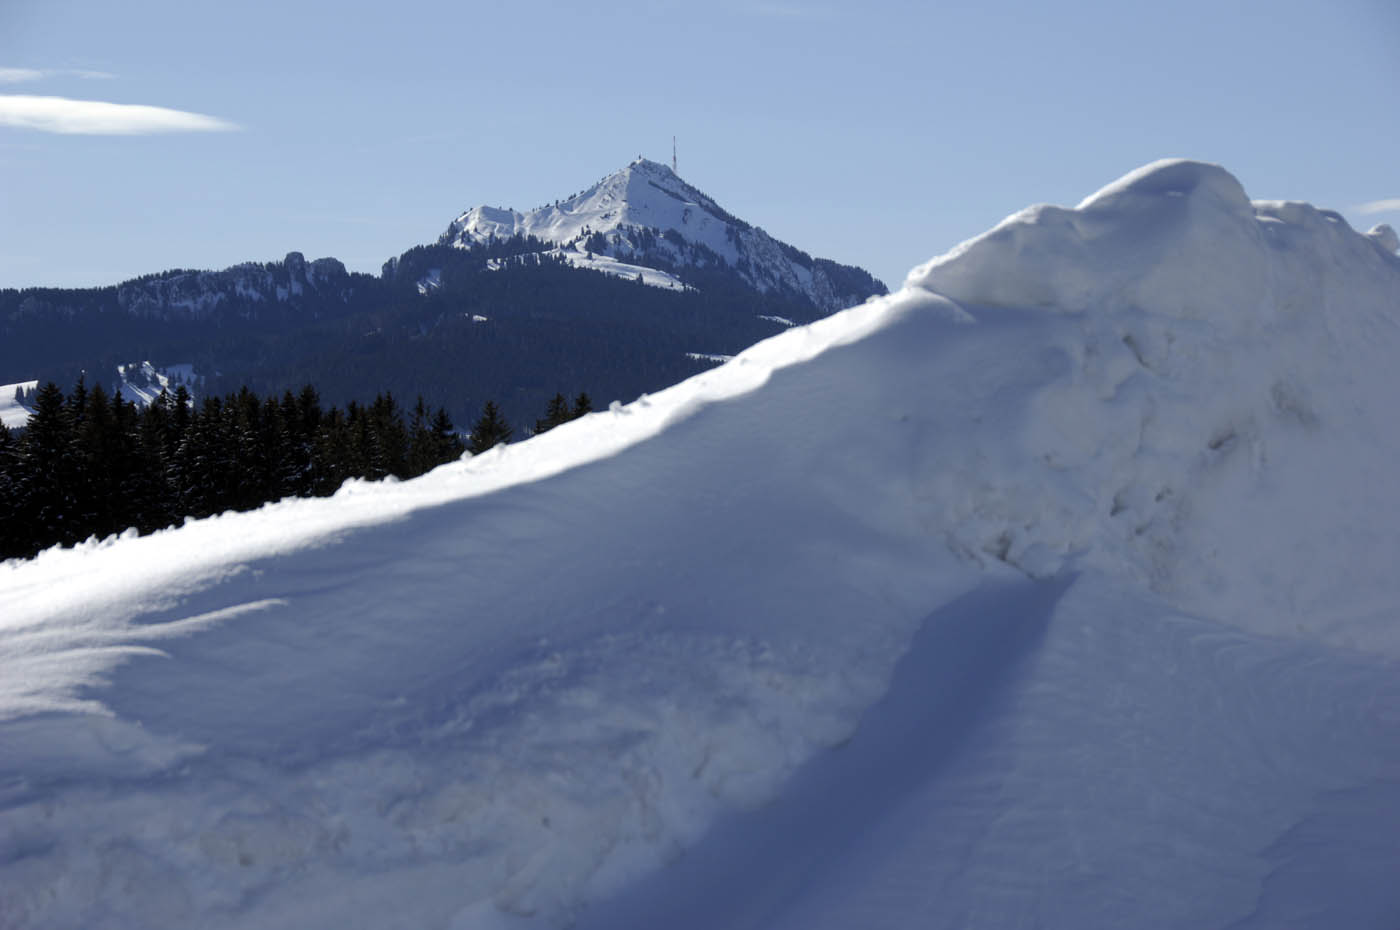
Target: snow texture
1054,590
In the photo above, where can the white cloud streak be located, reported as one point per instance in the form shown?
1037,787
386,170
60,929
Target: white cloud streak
1379,206
96,118
21,75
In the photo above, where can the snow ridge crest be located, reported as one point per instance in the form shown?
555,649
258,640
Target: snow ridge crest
1136,242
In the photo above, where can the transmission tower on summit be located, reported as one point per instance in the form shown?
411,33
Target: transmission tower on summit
673,155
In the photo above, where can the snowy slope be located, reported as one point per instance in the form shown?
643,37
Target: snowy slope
140,384
143,383
1055,590
645,212
13,414
581,258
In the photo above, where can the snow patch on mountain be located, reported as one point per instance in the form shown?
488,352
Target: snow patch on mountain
139,383
142,383
620,269
430,282
12,413
601,263
644,215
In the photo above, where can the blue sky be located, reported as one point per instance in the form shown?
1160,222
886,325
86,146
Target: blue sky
878,133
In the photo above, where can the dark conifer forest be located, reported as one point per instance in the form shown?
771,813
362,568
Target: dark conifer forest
93,464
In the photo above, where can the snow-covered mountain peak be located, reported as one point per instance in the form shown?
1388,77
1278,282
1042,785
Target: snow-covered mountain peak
644,193
646,215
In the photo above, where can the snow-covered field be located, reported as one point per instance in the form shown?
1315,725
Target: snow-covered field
1055,590
143,383
13,414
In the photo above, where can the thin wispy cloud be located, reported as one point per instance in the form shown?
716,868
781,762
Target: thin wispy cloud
97,118
22,75
1379,206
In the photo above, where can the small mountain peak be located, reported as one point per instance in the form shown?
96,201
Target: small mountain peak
651,167
644,215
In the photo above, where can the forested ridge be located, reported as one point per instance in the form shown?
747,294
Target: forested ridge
501,321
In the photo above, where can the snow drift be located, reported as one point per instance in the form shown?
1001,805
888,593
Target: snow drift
1055,589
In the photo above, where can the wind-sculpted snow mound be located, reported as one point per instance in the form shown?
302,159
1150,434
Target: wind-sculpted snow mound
1208,405
1175,238
492,695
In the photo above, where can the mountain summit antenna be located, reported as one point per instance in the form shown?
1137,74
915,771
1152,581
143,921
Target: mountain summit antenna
673,155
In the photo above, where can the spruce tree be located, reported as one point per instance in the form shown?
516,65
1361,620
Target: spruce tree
421,455
298,423
181,412
46,473
95,455
154,453
330,454
279,452
489,430
555,414
11,543
446,444
388,438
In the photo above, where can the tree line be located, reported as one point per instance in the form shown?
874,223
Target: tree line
92,464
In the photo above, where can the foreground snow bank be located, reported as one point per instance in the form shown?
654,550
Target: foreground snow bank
515,685
1213,384
511,684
